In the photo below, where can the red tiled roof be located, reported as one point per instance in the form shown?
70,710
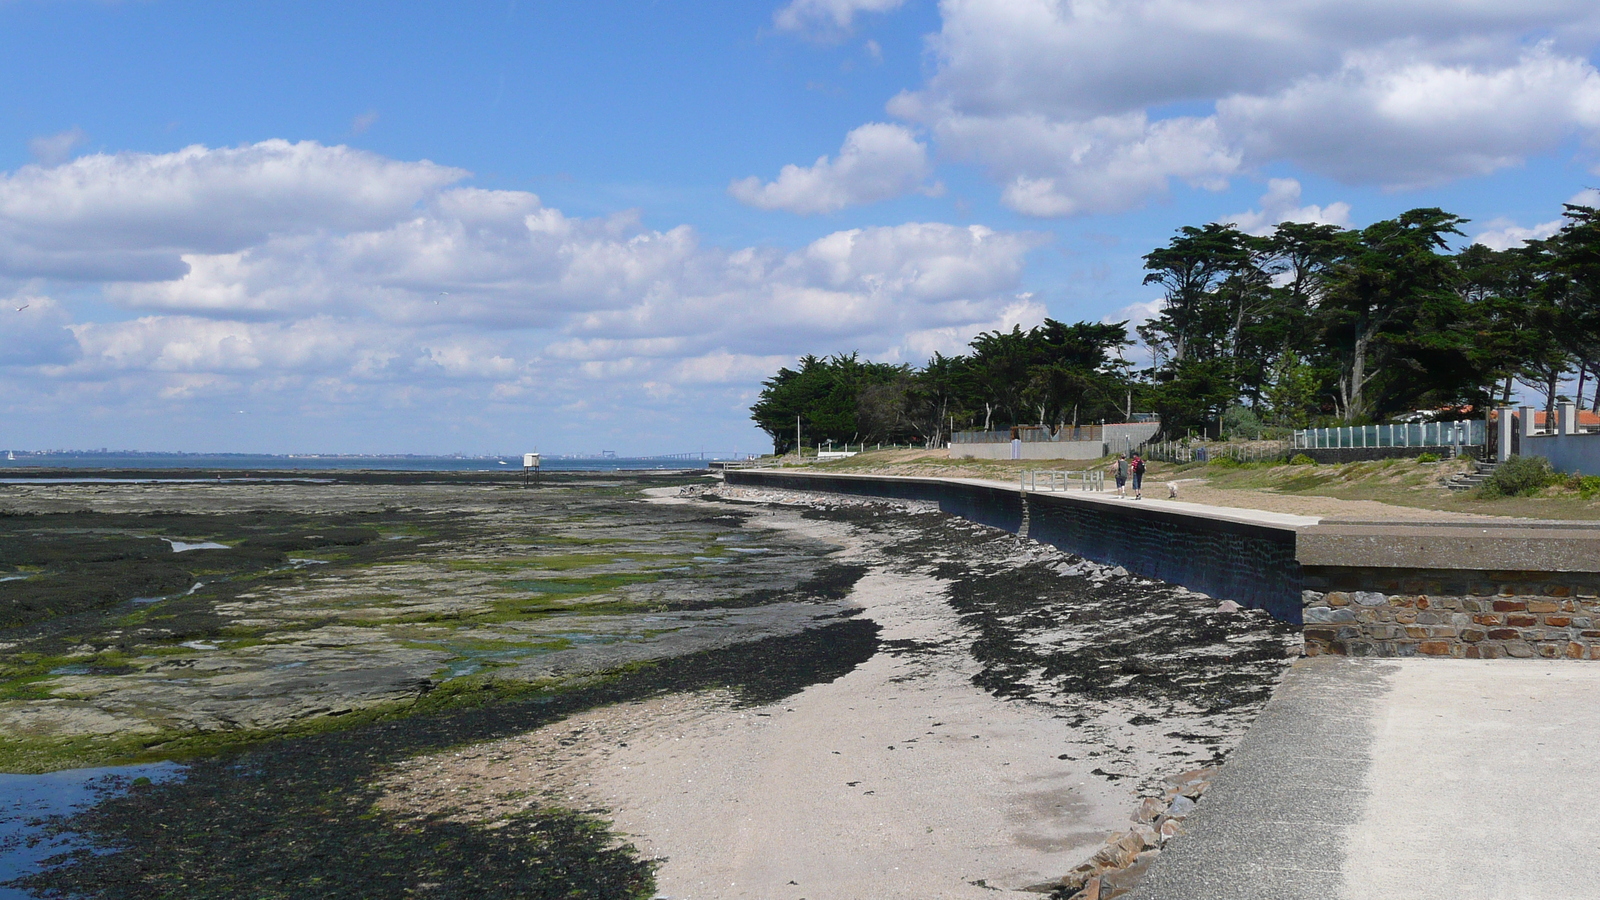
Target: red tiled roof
1587,418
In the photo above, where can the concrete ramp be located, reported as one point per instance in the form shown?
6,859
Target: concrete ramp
1402,779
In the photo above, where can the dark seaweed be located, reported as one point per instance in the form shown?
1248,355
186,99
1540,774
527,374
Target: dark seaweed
1129,637
832,582
1179,650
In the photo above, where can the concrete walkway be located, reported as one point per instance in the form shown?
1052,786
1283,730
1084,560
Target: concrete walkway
1402,779
1155,498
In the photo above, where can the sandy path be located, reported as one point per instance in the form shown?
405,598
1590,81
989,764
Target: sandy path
1197,491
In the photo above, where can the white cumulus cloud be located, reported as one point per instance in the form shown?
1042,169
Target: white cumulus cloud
387,285
1077,106
1503,233
1405,123
130,216
1281,203
877,162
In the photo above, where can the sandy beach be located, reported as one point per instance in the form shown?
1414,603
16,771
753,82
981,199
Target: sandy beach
901,779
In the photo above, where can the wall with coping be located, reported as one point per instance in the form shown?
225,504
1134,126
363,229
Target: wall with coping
1567,449
1251,564
1570,453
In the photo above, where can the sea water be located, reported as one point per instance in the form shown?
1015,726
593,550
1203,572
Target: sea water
332,463
26,799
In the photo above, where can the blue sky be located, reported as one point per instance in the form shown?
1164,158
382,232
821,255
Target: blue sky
420,227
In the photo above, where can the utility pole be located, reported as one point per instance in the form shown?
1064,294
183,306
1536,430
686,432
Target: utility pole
797,437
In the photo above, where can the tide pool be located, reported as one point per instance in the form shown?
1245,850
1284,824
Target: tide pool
25,800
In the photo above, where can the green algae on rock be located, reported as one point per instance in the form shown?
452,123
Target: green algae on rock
330,603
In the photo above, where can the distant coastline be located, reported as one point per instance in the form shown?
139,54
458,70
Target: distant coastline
402,462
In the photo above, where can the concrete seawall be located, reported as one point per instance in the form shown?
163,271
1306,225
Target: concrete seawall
1461,589
1248,558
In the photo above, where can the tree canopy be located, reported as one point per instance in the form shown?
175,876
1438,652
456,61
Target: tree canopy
1311,324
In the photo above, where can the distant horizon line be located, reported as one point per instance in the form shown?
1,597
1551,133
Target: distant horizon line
604,454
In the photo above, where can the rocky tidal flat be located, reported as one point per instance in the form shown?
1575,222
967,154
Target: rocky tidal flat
313,602
468,689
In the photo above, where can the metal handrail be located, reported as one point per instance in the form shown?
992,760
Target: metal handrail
1061,479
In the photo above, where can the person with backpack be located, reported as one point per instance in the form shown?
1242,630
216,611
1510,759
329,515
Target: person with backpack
1137,468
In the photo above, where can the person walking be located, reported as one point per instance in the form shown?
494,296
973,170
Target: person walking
1136,466
1119,471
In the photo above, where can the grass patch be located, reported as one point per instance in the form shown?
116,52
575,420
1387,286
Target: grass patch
1406,482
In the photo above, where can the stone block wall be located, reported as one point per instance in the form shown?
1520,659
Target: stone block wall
1464,615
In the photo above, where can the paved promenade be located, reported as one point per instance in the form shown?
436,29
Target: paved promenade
1402,779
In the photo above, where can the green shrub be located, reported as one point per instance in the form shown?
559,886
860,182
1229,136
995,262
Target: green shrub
1585,486
1427,457
1241,423
1300,459
1225,462
1519,476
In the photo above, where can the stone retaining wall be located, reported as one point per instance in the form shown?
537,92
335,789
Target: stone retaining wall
1460,614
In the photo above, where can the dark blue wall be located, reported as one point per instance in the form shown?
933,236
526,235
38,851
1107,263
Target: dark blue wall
1253,565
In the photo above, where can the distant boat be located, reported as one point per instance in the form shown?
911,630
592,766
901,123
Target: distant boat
502,462
10,456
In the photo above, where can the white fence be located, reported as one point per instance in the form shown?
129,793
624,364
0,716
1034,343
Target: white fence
1062,480
1465,433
